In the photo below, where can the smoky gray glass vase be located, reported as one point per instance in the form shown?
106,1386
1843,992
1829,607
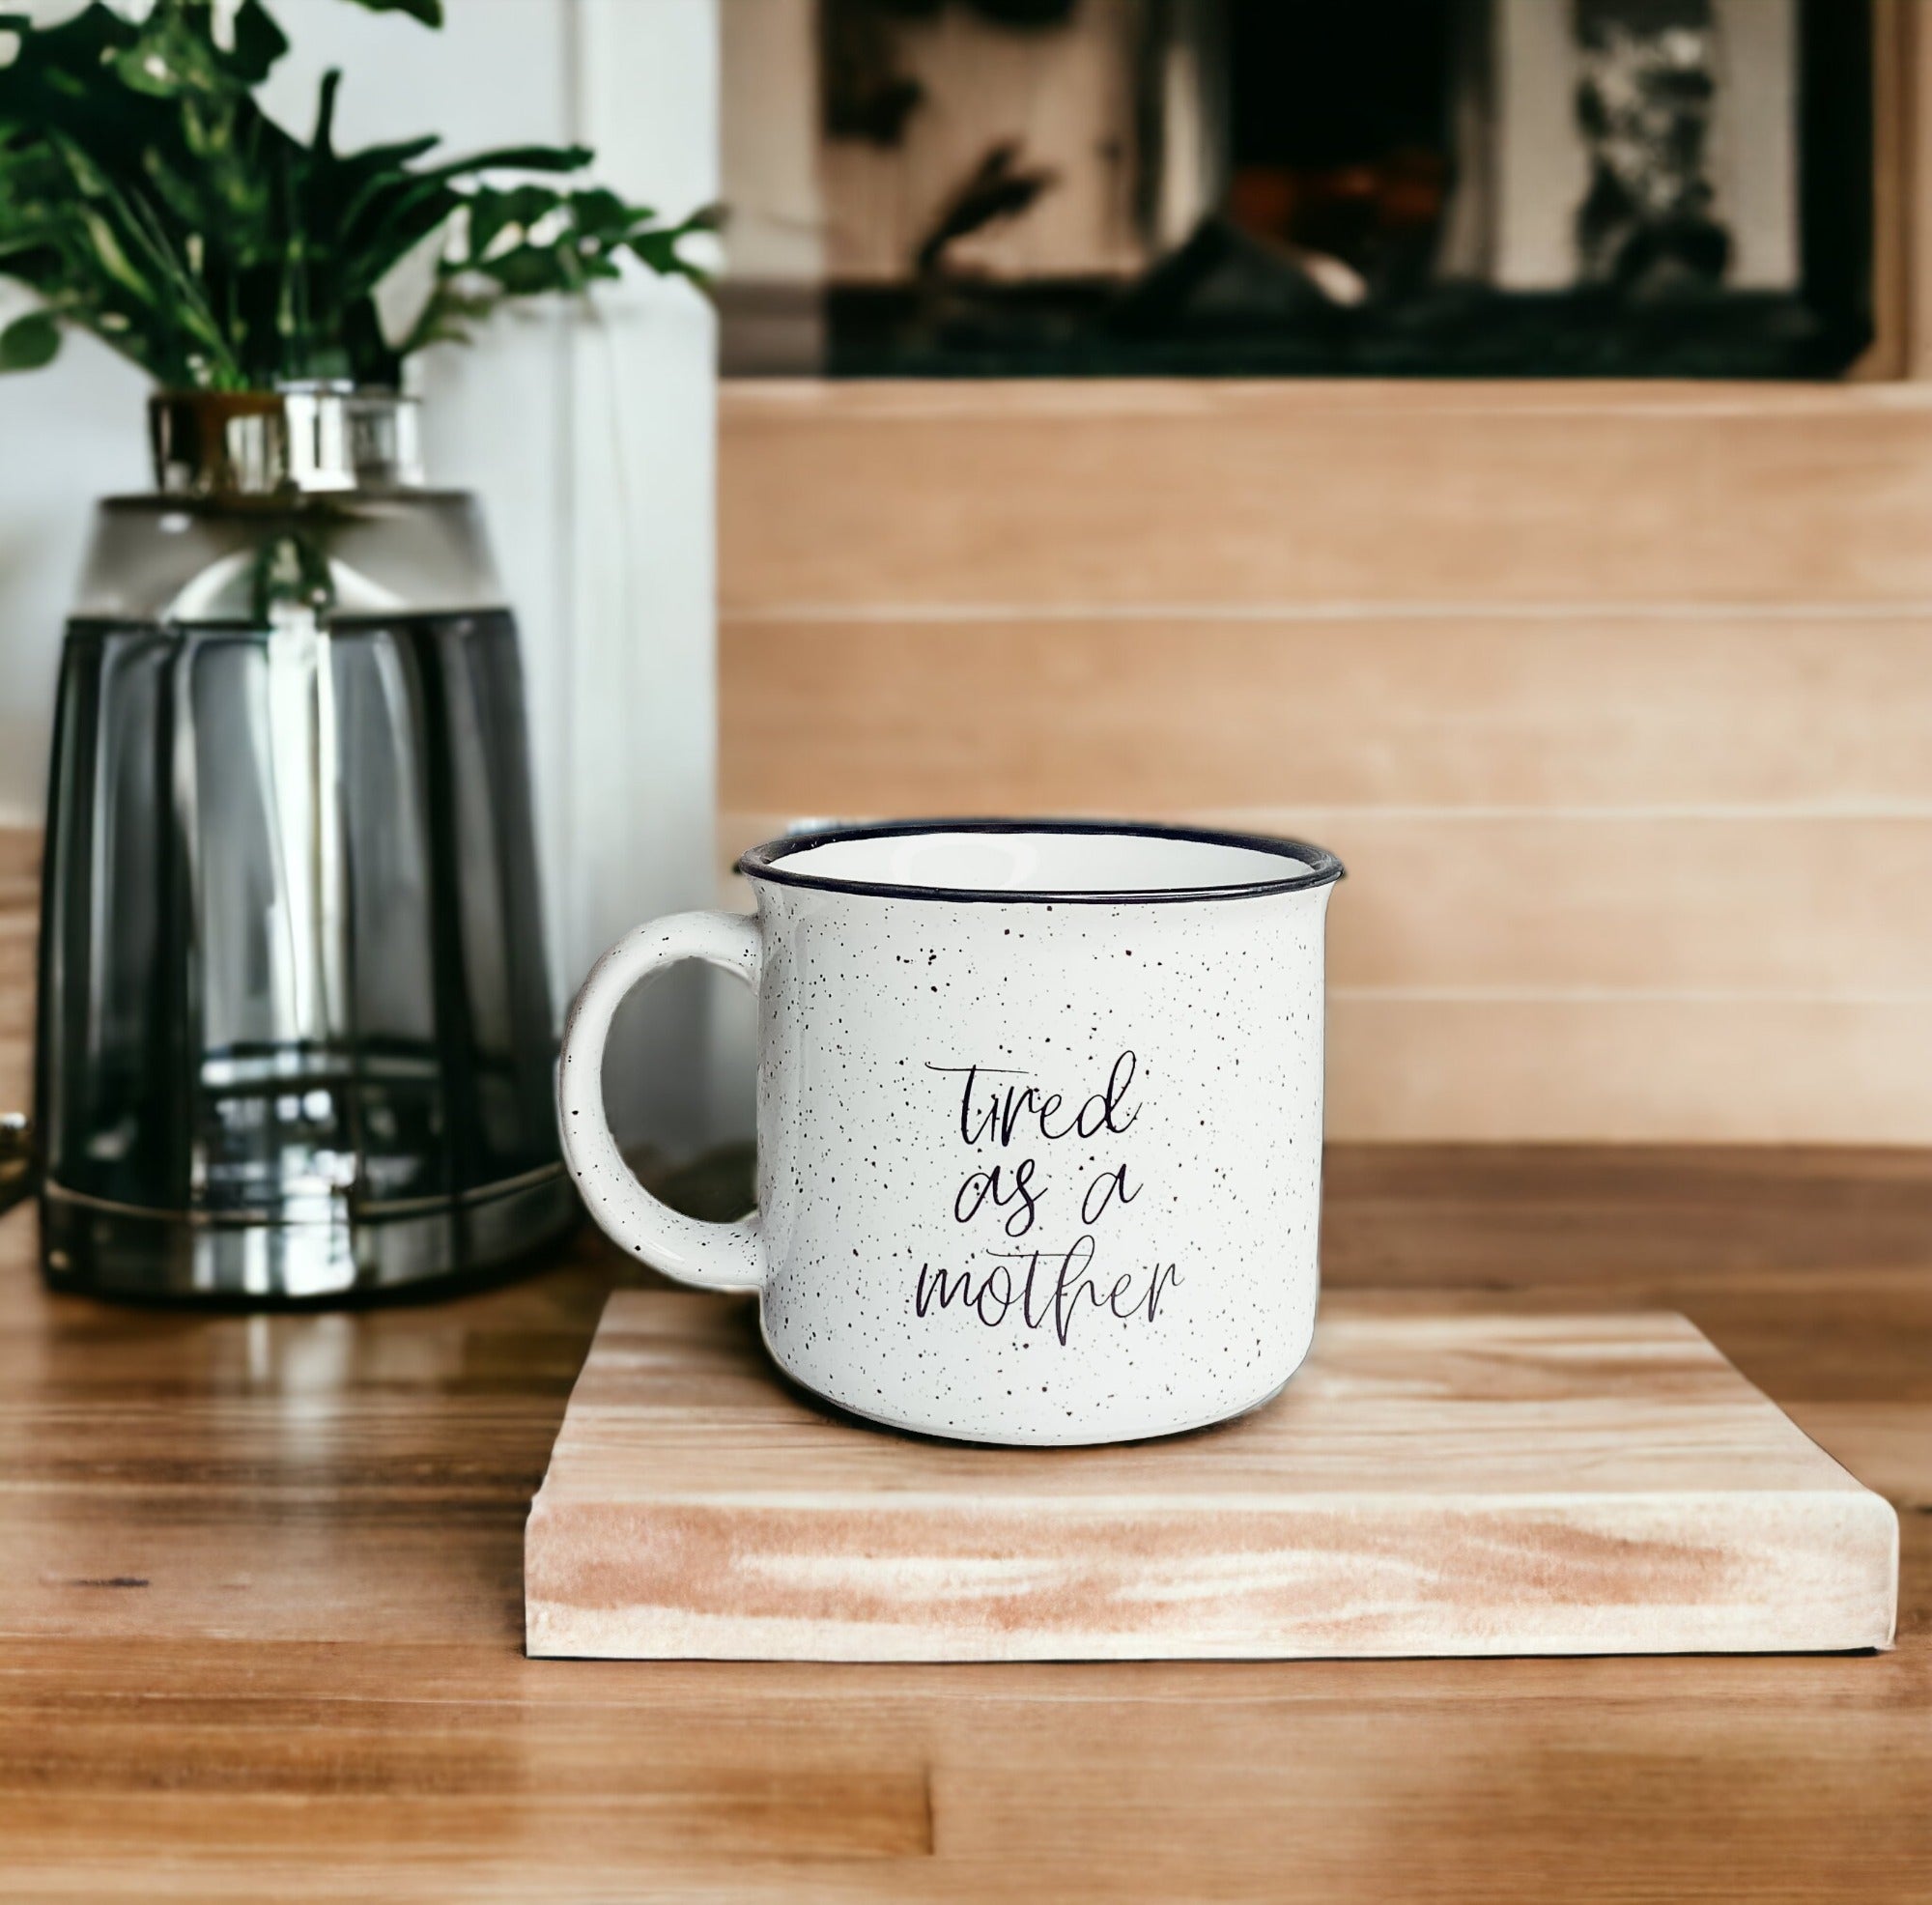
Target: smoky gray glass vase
296,1036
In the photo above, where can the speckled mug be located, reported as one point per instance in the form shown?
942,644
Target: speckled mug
1039,1120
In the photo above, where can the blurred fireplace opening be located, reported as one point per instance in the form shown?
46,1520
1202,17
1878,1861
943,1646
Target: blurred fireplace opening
940,187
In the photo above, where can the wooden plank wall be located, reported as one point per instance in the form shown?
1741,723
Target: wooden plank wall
1617,699
19,945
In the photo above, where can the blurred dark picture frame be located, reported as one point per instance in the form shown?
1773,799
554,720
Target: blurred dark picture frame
1406,187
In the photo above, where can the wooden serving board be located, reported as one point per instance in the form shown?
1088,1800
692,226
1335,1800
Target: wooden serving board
1437,1480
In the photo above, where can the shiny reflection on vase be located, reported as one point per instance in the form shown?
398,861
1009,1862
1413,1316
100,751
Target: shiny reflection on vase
296,1030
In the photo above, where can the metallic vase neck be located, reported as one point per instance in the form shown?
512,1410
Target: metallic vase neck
314,439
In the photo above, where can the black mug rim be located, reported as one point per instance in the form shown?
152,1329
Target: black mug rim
1316,865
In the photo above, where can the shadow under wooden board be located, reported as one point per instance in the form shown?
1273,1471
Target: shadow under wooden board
1437,1480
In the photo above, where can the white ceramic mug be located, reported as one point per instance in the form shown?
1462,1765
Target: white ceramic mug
1039,1120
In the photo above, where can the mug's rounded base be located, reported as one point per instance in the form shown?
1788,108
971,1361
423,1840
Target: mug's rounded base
1043,1437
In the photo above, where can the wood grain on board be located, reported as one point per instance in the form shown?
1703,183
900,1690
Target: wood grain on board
261,1612
1432,1482
262,1619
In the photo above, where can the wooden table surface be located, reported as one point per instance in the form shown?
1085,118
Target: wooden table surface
260,1621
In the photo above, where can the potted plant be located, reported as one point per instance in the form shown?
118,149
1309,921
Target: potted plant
295,1029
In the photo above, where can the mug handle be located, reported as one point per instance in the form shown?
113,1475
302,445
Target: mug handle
718,1256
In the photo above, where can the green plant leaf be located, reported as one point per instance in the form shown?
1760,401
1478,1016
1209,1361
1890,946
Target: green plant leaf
145,195
258,43
319,142
516,158
429,12
493,212
30,341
